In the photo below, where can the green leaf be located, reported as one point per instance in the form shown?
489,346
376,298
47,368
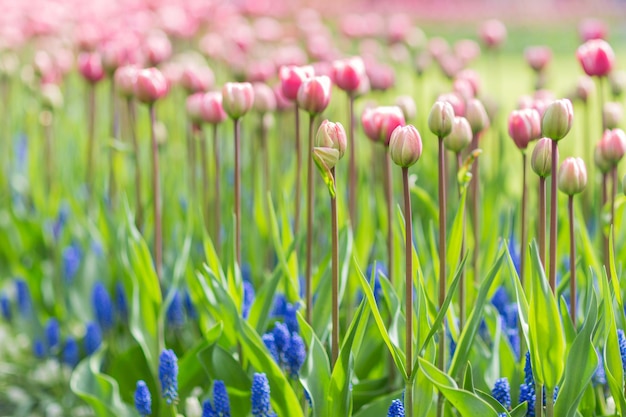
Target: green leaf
325,159
259,315
284,255
466,403
315,372
468,379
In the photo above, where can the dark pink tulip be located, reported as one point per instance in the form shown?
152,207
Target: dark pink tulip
349,73
196,78
237,99
291,78
90,67
592,29
150,85
157,48
381,76
314,94
211,109
264,98
456,101
124,79
380,122
493,33
538,57
596,57
524,126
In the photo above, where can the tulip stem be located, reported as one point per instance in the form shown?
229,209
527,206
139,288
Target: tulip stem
48,155
475,209
572,260
191,160
553,211
156,196
442,263
335,276
389,197
205,175
462,283
542,221
538,400
91,131
237,192
266,162
550,402
309,223
524,237
139,207
353,175
588,149
408,224
217,186
605,237
114,135
296,221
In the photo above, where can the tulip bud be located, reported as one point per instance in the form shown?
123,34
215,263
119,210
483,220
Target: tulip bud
617,80
291,77
381,77
211,109
90,67
460,136
332,135
264,98
329,156
612,114
592,29
613,146
476,115
157,48
407,105
584,88
380,122
524,126
440,119
405,146
596,57
472,78
572,176
557,119
600,160
538,57
125,78
349,73
195,79
51,96
314,95
493,33
541,160
456,101
150,85
194,107
237,99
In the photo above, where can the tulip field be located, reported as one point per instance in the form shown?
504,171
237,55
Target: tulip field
215,208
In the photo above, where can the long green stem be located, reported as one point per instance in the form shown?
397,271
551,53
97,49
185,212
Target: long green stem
217,208
389,202
462,283
335,276
408,256
538,400
550,403
114,135
136,150
237,191
442,263
48,155
352,168
296,220
309,223
542,221
91,132
197,130
524,238
572,261
475,210
156,197
553,211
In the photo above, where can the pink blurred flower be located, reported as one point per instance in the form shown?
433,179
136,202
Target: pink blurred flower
538,57
314,94
492,33
592,29
90,66
596,57
472,77
282,102
157,48
193,106
466,50
261,70
291,77
381,76
124,79
197,78
264,98
349,73
456,101
380,122
150,85
211,109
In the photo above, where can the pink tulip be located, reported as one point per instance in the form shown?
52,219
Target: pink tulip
524,126
472,77
150,85
349,73
466,50
538,57
612,146
237,99
456,101
572,176
332,135
90,67
291,77
157,48
381,76
261,71
197,78
493,33
211,109
584,88
314,94
405,146
592,29
194,107
124,79
596,57
282,102
380,122
264,98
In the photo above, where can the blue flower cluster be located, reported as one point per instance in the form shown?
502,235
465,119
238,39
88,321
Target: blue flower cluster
260,398
179,309
285,344
502,392
509,314
527,389
143,399
221,403
168,375
396,409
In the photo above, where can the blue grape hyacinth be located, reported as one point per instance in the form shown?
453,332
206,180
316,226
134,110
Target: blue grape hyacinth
396,409
261,396
175,312
71,258
5,307
527,393
168,375
70,352
248,298
220,399
121,302
295,355
143,399
270,344
103,307
39,350
621,340
93,338
53,333
502,392
24,302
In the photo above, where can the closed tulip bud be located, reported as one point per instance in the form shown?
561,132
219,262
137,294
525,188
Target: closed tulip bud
349,73
264,98
194,107
472,77
617,81
596,57
157,48
460,136
541,160
150,85
538,57
524,126
613,146
51,96
493,33
600,160
585,88
211,110
407,105
380,122
124,79
237,99
572,176
90,67
456,101
329,156
196,79
291,77
557,119
476,115
440,119
612,114
405,146
332,135
314,94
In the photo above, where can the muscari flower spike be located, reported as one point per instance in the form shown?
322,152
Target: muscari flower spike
71,262
5,307
281,336
143,399
192,313
103,307
527,393
261,396
53,333
621,339
220,399
24,302
396,409
270,344
502,392
175,312
248,298
168,375
39,350
295,355
93,338
291,317
70,352
121,302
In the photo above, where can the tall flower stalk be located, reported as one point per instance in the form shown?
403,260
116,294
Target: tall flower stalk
405,149
541,163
